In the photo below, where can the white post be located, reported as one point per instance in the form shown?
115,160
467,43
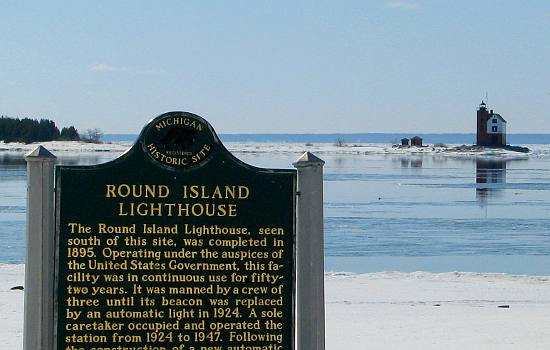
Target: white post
39,264
310,288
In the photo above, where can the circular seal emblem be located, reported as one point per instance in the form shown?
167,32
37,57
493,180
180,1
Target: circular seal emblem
178,139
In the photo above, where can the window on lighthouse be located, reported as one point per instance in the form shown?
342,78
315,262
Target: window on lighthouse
494,121
495,128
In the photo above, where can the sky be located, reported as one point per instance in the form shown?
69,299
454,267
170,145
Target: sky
277,66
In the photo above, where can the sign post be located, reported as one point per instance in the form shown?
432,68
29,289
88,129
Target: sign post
39,261
310,298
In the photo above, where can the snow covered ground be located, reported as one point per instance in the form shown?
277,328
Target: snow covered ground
64,146
11,306
285,147
393,310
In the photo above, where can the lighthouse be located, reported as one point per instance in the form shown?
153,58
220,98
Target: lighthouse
491,127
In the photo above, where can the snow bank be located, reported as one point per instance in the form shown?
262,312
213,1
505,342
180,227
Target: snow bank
11,306
375,148
394,310
66,146
420,310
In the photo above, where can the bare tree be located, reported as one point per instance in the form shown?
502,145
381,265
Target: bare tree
93,135
340,142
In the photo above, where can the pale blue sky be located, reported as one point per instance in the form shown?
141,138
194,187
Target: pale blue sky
278,66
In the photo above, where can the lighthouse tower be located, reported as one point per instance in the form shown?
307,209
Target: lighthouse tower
482,117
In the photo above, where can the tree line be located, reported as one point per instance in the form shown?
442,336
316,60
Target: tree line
31,130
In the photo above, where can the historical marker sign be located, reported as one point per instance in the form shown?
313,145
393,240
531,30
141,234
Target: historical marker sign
175,245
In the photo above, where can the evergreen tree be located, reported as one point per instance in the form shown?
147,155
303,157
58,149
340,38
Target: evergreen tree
69,134
30,130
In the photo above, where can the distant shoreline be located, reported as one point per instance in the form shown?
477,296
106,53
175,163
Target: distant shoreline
429,138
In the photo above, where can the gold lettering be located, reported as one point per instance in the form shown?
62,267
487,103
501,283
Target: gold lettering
110,191
178,121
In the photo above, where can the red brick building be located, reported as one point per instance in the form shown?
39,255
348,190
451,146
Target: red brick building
491,127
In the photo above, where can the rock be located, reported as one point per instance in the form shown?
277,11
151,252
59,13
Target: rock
17,288
504,306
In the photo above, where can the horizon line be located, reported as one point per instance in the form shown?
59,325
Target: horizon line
348,133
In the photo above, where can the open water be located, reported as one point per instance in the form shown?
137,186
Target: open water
388,212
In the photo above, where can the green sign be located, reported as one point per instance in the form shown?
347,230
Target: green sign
175,245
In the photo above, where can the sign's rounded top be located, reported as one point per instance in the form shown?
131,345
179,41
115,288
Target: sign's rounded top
178,139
